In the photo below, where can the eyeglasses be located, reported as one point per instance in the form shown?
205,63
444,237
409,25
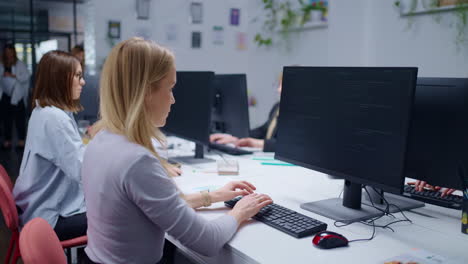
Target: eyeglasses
79,76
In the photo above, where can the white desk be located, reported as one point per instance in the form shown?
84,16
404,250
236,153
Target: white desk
434,229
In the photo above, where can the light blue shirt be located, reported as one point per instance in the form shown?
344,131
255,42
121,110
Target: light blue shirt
49,183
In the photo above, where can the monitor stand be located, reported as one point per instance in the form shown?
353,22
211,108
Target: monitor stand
401,203
347,210
194,160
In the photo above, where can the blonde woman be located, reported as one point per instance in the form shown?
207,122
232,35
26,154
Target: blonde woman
131,200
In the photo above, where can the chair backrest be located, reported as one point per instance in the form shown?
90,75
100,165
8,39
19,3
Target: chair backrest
39,244
7,204
6,178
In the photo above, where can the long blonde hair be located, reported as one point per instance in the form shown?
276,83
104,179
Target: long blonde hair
132,69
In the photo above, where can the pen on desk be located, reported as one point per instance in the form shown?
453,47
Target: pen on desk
277,163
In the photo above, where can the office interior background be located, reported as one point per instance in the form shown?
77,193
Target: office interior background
353,33
356,33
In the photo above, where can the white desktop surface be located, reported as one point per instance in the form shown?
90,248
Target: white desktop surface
435,229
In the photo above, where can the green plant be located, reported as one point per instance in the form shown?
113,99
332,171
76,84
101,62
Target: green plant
281,17
460,10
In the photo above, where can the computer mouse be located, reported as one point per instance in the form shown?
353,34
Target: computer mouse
328,239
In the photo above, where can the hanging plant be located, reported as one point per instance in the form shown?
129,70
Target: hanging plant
461,12
281,17
460,9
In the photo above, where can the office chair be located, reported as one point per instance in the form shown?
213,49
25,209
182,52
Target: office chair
10,215
39,243
6,178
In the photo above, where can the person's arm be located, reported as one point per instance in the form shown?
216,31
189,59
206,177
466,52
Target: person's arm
421,185
21,78
221,138
156,195
149,188
66,146
22,73
225,193
2,71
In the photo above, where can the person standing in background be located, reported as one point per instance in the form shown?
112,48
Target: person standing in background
79,53
14,89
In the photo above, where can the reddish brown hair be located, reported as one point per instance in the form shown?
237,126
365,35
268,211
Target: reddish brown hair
54,81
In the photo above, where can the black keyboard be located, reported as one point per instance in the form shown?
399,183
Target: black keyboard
229,150
433,197
285,220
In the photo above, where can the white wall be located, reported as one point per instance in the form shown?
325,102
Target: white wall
360,33
426,44
223,59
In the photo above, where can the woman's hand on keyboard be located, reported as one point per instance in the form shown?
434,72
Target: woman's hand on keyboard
446,191
231,190
222,138
173,171
422,185
249,206
250,142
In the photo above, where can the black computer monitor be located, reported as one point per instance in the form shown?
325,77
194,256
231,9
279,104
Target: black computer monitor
231,109
438,138
350,122
89,99
190,116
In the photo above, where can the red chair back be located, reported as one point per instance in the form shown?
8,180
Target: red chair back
10,216
7,204
5,177
39,244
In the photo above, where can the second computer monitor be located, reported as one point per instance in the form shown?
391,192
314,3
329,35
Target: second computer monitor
347,122
190,116
438,138
231,109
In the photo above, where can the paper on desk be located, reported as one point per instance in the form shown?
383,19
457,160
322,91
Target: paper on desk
421,256
264,154
191,182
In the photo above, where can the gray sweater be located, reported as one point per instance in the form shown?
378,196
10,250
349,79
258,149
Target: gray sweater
131,203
